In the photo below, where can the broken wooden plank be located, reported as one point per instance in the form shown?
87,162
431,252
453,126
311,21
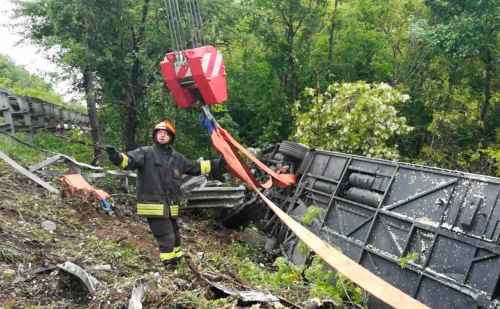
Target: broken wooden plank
45,163
28,174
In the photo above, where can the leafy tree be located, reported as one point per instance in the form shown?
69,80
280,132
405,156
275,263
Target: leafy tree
468,31
450,79
357,118
75,29
441,53
18,80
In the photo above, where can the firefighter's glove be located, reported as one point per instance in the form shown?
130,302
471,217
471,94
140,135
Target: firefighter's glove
174,211
113,155
218,169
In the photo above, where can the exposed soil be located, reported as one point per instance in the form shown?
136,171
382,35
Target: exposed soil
87,236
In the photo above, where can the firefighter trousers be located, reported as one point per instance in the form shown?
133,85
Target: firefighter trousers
166,232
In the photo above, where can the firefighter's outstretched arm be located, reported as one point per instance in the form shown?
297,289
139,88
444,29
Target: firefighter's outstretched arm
211,168
127,161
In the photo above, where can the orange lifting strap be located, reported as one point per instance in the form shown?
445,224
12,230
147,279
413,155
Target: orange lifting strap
227,146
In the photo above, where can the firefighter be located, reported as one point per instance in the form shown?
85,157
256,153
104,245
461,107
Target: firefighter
160,168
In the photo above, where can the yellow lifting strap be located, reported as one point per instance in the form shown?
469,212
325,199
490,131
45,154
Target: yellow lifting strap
344,265
205,167
145,209
124,163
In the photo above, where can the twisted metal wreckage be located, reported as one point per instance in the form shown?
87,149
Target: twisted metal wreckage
409,235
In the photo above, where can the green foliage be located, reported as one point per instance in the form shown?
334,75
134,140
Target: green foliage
409,258
463,28
441,53
324,283
357,118
287,274
495,154
18,80
113,253
75,144
22,154
317,280
303,248
311,214
67,145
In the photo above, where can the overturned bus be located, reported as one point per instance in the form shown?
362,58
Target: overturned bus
433,233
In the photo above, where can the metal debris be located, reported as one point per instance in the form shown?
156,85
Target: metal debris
87,279
104,267
245,296
137,296
27,173
49,226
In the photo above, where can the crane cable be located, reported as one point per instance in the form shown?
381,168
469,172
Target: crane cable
183,20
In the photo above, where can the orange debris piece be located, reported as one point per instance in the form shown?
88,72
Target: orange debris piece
76,184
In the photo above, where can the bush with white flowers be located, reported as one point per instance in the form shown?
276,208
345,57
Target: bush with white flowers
357,118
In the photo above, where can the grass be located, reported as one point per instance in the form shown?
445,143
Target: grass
291,281
70,145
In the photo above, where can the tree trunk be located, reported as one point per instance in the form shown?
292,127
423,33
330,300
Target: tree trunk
89,86
488,76
131,121
290,75
333,25
136,87
90,96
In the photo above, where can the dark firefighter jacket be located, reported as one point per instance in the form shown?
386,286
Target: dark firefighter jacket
159,172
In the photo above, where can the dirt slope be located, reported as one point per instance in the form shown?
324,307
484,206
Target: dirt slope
88,237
